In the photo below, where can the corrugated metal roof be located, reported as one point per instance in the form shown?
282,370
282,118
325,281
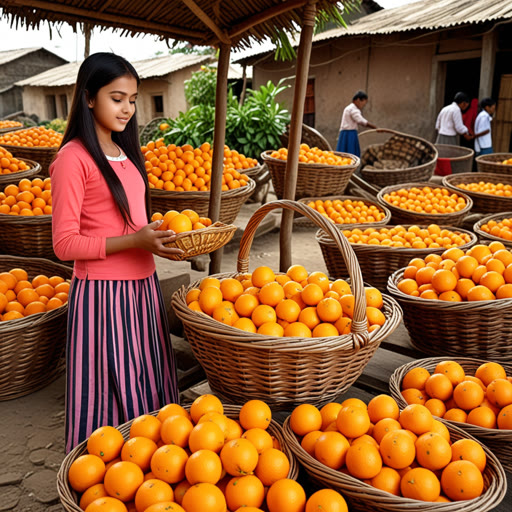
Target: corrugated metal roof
10,55
159,66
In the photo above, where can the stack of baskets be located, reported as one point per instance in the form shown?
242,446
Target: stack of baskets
493,163
283,371
32,348
416,157
230,203
313,179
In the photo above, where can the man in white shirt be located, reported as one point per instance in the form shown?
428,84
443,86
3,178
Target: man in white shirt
449,122
483,139
348,140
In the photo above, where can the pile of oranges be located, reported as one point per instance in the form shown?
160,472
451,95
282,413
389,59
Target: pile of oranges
416,237
38,136
183,168
21,297
485,187
197,461
10,124
28,197
406,453
483,399
313,155
9,163
507,162
501,229
295,304
180,222
431,200
348,211
483,272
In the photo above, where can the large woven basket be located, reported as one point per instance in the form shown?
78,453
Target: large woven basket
492,163
377,262
482,203
365,498
15,177
420,155
43,156
477,228
461,158
499,441
284,371
400,215
69,498
201,241
32,348
312,179
480,329
230,201
368,202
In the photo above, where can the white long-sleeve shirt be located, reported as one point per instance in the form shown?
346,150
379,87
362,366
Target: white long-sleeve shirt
449,121
351,118
482,123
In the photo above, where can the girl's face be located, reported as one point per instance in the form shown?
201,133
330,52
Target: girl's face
114,104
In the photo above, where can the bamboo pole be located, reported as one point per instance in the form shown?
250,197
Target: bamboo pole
292,162
219,137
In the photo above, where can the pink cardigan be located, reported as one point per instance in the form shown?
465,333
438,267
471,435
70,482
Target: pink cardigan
84,215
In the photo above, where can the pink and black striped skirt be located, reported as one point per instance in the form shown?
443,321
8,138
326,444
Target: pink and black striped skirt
120,362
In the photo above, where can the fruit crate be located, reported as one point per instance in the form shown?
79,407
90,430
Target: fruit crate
487,237
283,371
493,163
499,441
69,498
32,348
378,262
364,497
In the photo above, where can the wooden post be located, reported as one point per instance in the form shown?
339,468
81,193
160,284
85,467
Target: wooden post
87,36
487,64
219,137
299,95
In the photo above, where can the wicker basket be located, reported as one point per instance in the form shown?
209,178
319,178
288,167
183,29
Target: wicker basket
201,241
15,177
230,202
309,136
377,262
400,215
11,129
147,133
364,497
492,163
69,498
32,348
312,179
284,371
420,154
461,158
499,441
43,156
477,228
369,202
480,329
482,203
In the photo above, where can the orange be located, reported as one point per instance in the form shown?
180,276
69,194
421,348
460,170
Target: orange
505,418
152,491
492,280
245,324
382,406
414,396
209,299
469,449
219,419
203,466
308,442
244,491
383,426
373,297
239,457
463,286
452,370
263,314
344,325
468,395
168,463
479,252
45,290
40,280
444,281
93,493
341,287
353,421
416,418
246,304
19,273
271,294
255,414
504,291
27,295
105,442
123,479
260,438
305,418
375,316
86,471
331,449
139,450
180,490
234,430
424,275
329,310
363,461
289,310
225,313
329,413
53,303
327,500
347,305
298,330
12,315
420,484
231,289
397,449
262,275
388,479
312,294
487,372
415,378
35,307
455,414
499,392
466,266
433,451
324,330
206,436
106,503
438,385
297,273
286,495
146,425
309,317
272,465
209,281
204,497
180,223
171,410
480,292
462,480
436,407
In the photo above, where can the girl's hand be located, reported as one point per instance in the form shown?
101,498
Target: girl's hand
153,240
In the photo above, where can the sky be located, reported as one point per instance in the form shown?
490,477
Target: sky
70,46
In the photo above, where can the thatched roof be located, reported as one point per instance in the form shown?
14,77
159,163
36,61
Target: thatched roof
201,22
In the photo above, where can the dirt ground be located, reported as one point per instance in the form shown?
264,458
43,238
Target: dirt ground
32,427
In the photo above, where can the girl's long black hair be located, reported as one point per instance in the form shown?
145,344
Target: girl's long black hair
97,71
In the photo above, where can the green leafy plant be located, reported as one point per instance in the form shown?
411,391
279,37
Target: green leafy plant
200,87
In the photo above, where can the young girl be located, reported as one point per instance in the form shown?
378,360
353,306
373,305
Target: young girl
483,138
120,362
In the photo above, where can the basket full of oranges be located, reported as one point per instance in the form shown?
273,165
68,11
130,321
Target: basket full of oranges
497,227
499,163
320,172
473,394
33,308
458,302
11,166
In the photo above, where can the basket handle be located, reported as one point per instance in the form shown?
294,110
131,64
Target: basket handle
360,335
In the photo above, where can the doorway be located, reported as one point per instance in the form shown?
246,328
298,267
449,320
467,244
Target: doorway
463,76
